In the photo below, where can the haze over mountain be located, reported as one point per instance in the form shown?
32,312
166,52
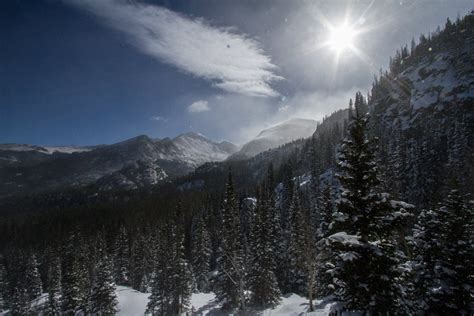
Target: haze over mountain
275,136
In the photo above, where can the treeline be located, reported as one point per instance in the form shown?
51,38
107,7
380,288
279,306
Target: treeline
348,239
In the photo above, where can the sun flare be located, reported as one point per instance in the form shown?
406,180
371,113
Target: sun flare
341,37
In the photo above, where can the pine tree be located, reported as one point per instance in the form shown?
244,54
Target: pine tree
121,256
32,278
159,301
443,243
181,269
201,254
427,246
324,208
3,286
20,304
73,293
171,286
365,225
54,286
103,298
262,281
137,261
230,282
296,271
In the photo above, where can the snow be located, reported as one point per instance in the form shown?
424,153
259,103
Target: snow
344,238
132,303
43,149
195,149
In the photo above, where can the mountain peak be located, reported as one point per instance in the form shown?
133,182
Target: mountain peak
277,135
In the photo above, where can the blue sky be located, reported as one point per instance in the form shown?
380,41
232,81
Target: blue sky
88,72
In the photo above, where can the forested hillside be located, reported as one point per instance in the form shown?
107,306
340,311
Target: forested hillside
374,212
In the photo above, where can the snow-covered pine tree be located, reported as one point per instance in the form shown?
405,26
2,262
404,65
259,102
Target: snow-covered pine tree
121,257
137,269
201,253
262,281
295,257
171,285
73,293
427,248
160,299
20,304
365,224
230,282
32,278
274,216
53,306
323,262
181,274
103,300
455,275
443,245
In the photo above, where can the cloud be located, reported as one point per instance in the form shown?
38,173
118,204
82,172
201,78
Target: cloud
159,118
199,106
283,108
231,61
256,114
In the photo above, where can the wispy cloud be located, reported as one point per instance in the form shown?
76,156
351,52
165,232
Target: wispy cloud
230,60
199,106
159,118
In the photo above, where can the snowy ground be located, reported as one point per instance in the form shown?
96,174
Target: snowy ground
133,303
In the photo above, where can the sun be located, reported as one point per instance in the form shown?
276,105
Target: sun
341,37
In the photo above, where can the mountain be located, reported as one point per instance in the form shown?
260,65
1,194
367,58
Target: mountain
423,115
134,163
276,136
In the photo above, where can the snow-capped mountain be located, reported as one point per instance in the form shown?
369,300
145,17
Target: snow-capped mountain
194,149
43,149
275,136
133,163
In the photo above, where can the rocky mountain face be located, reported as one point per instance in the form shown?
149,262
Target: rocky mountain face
423,114
131,164
276,136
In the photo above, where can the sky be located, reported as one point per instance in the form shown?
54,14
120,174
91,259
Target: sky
85,72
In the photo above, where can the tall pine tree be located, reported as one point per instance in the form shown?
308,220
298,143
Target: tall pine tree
366,223
262,280
103,299
54,287
443,282
230,282
201,253
121,256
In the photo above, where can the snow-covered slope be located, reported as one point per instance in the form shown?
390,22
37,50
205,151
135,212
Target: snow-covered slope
424,117
275,136
195,149
132,302
43,149
139,174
